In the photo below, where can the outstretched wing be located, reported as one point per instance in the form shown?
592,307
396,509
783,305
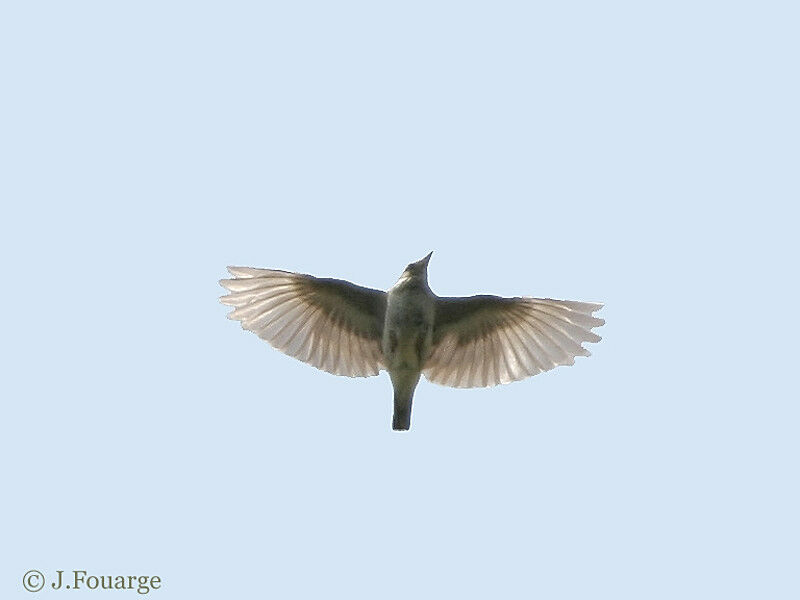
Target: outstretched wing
485,340
331,324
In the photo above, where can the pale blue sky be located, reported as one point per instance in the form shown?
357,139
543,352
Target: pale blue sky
639,154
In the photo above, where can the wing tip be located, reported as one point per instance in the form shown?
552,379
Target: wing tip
242,272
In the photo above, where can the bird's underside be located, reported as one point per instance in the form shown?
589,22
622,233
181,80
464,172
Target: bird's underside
346,329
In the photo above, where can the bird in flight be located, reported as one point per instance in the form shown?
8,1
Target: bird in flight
346,329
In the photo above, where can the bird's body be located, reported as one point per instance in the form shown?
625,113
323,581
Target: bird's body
347,329
408,336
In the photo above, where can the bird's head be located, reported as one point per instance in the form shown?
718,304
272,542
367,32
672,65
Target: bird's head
417,270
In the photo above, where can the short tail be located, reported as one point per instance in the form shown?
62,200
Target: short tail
402,412
403,395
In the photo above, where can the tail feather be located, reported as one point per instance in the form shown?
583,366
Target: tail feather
404,387
402,412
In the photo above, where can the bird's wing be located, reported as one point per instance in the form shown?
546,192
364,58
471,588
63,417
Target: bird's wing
331,324
485,340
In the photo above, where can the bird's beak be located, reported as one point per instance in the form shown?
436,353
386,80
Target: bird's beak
427,259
